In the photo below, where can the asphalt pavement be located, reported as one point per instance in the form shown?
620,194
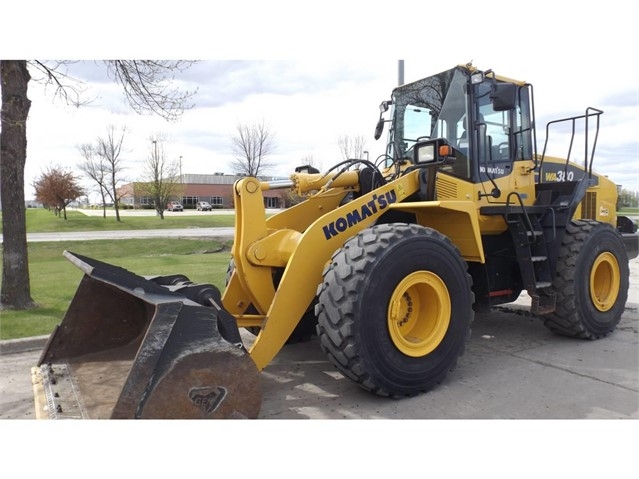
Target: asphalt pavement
151,233
221,232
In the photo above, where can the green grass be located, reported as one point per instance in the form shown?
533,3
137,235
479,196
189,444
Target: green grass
40,220
54,279
628,211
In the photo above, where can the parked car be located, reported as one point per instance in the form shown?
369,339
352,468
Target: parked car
203,206
175,206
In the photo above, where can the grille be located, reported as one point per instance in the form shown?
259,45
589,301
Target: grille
589,206
446,189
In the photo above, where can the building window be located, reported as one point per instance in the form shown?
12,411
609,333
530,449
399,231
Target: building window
189,201
217,201
271,202
146,200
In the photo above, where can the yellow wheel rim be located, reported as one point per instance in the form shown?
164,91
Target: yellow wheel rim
604,281
419,313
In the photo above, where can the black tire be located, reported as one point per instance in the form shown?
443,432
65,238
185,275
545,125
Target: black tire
422,275
305,330
590,282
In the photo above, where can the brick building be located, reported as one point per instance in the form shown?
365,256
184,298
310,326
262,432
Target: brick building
216,189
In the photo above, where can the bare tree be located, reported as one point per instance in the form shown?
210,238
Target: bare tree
109,149
159,177
352,147
251,145
147,87
95,167
57,188
312,162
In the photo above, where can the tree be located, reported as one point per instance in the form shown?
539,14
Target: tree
159,177
109,149
56,188
14,77
309,160
627,198
95,167
352,147
145,84
145,88
251,145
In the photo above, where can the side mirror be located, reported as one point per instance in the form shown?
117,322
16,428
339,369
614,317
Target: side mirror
504,96
379,128
383,108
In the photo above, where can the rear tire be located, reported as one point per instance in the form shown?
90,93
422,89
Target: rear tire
590,283
395,309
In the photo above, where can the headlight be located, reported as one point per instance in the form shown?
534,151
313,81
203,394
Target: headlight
426,154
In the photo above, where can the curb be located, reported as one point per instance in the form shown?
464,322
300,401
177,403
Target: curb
22,345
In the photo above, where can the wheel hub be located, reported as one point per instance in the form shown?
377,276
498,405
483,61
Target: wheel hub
604,281
419,313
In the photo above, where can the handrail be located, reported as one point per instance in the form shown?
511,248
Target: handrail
588,156
529,225
594,144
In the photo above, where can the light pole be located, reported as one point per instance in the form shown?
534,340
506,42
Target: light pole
181,180
366,153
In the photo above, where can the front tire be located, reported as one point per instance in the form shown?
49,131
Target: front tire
395,309
590,283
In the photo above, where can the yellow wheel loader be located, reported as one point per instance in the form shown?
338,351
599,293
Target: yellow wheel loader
387,261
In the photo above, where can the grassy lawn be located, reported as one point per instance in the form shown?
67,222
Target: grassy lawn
54,279
40,220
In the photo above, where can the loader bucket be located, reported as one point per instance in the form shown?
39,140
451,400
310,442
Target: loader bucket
135,347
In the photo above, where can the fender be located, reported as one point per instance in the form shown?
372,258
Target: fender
455,219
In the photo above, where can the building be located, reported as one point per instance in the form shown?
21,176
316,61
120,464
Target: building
215,189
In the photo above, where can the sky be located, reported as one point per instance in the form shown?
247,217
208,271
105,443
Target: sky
311,84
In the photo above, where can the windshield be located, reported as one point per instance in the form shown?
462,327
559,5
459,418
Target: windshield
430,108
439,107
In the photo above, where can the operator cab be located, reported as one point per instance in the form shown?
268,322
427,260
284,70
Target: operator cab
485,119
